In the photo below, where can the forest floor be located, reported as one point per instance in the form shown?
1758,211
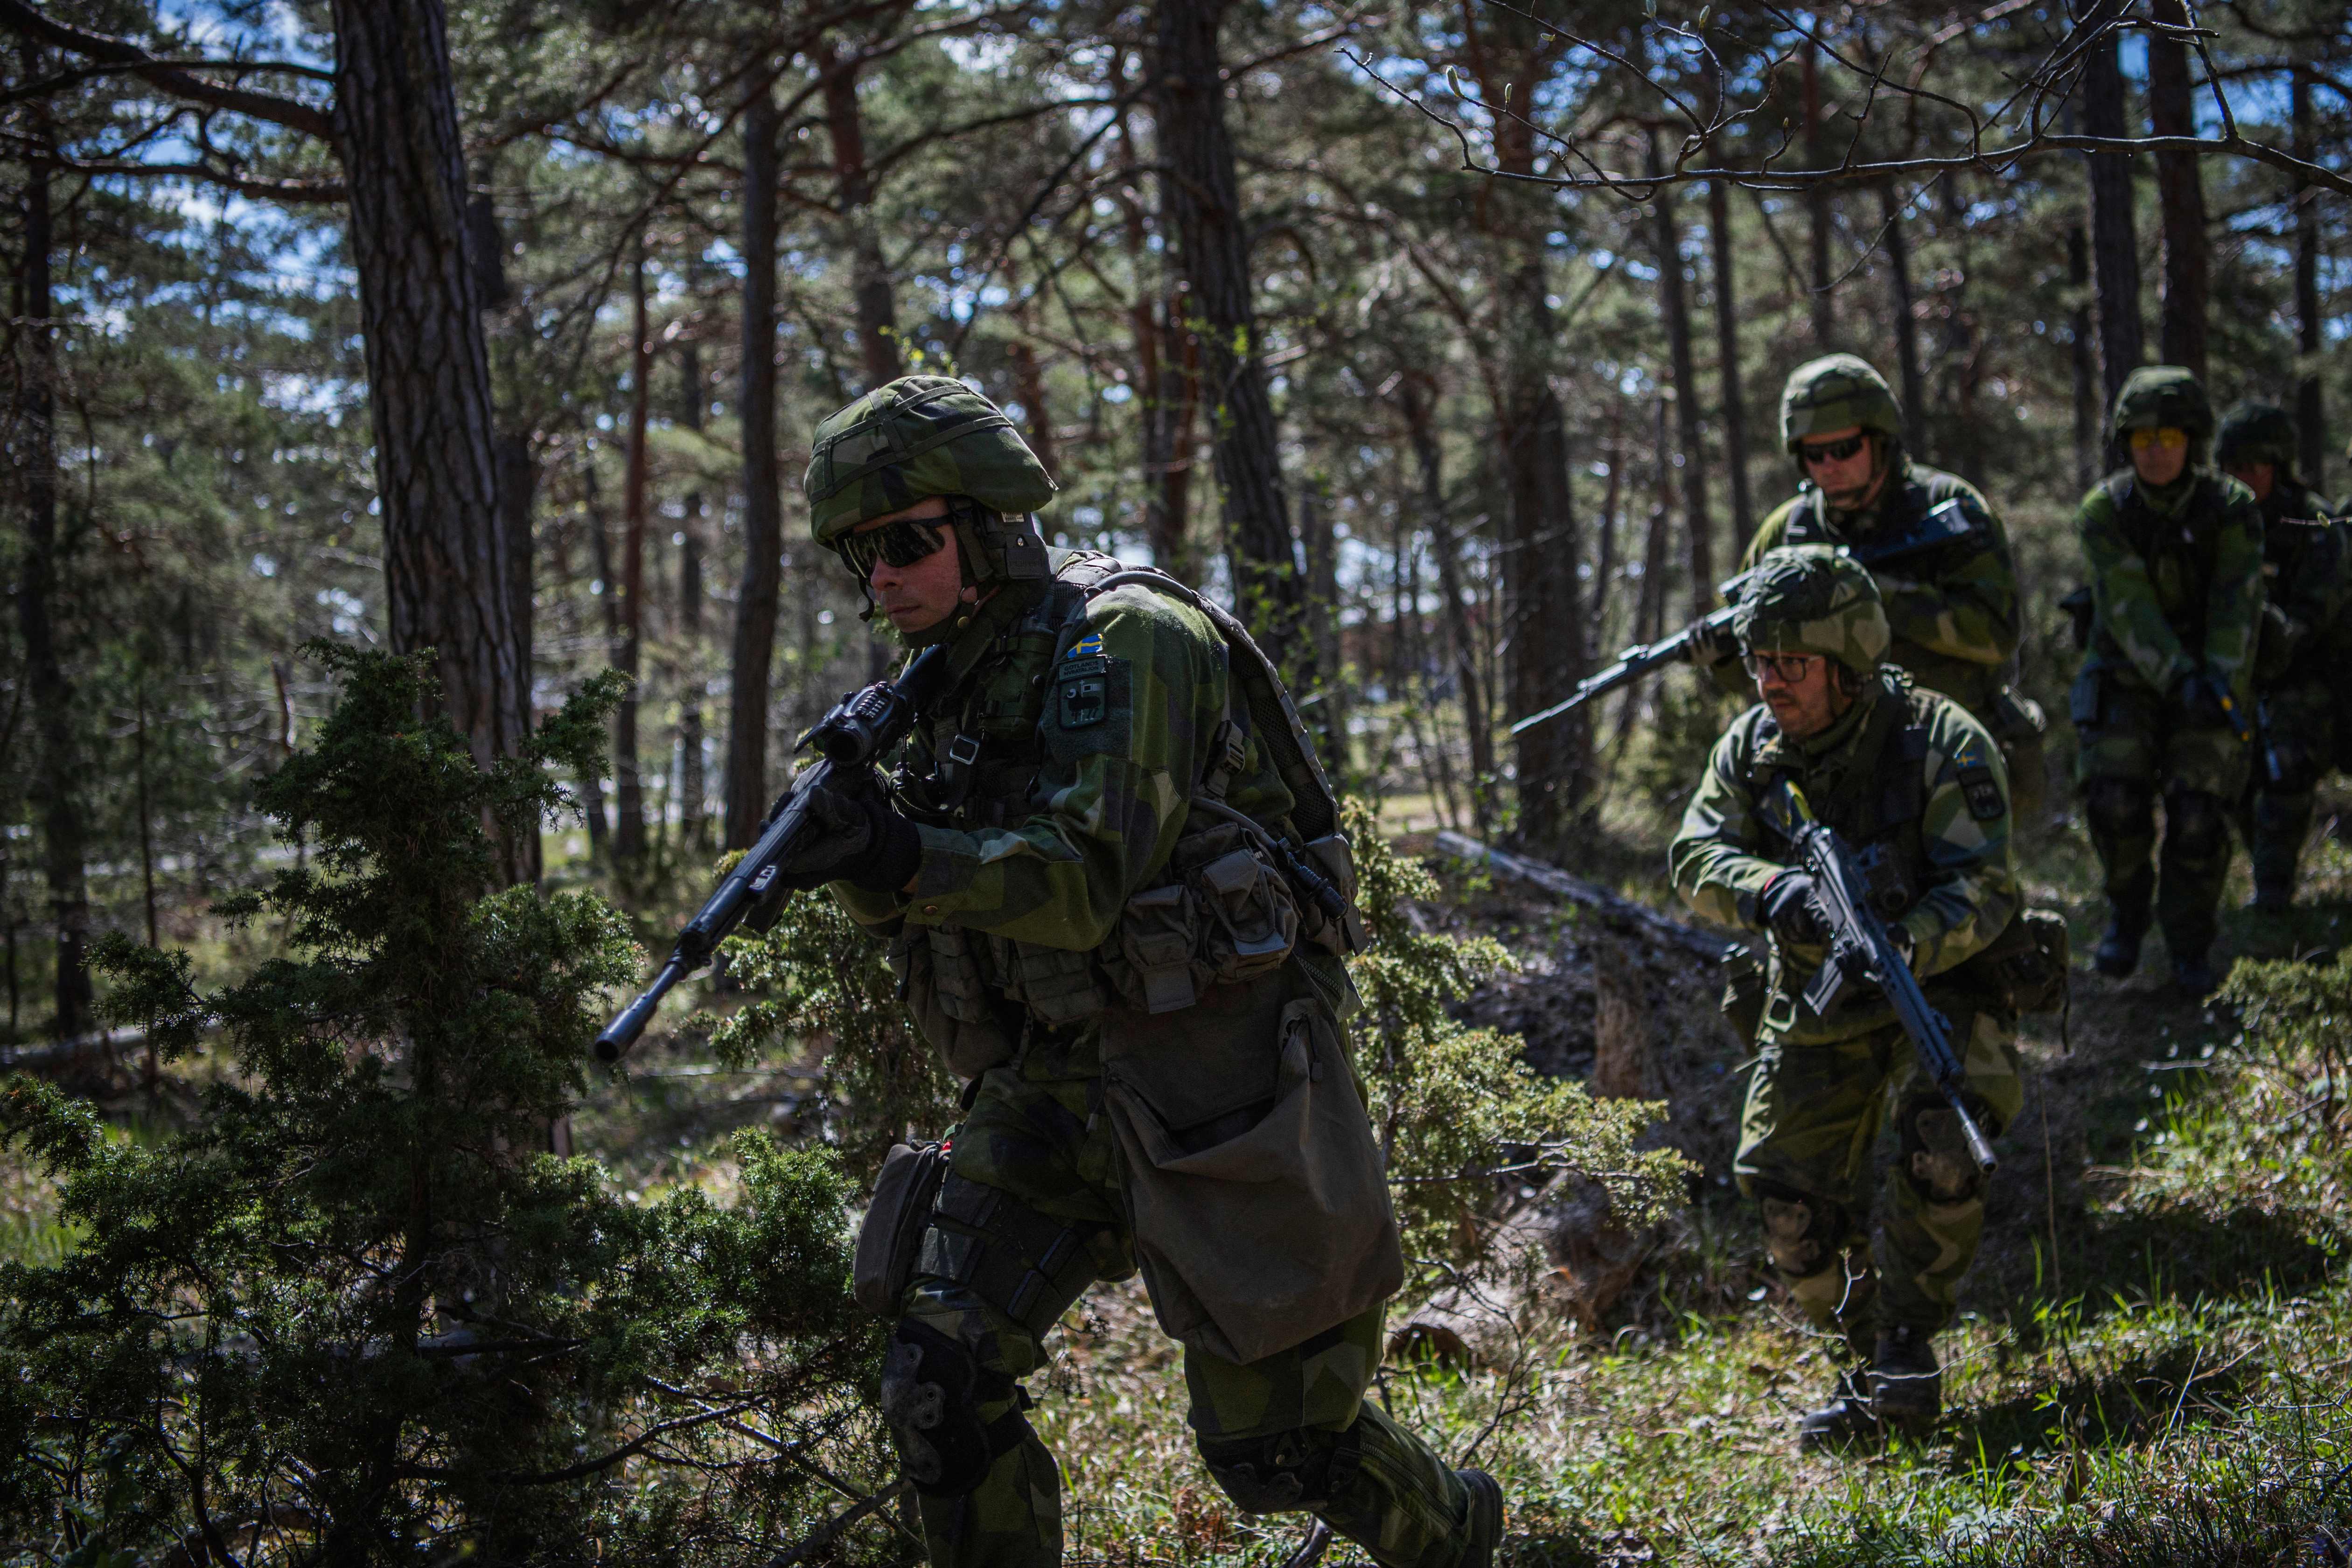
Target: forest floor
2149,1367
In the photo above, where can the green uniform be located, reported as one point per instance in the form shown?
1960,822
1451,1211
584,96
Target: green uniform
2298,679
1918,786
2177,596
1951,608
1052,784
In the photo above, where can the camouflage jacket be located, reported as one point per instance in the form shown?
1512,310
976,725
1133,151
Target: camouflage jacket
1052,782
1952,608
2176,589
1914,784
2307,574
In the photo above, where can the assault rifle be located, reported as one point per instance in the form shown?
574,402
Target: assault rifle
1861,948
1944,523
859,730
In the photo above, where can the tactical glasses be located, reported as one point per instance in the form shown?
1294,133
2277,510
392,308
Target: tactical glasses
2166,437
1832,451
900,543
1789,668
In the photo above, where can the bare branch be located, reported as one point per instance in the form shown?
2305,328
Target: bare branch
172,76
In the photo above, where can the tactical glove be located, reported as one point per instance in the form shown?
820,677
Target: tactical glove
1711,643
854,834
1788,909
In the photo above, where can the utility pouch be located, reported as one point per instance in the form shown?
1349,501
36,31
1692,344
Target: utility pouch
1150,960
1248,916
940,981
890,1238
1259,1197
1746,985
1057,986
1333,856
2087,699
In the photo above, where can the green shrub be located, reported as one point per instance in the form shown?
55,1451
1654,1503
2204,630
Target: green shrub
358,1313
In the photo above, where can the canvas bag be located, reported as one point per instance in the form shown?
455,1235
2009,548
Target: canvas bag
1258,1198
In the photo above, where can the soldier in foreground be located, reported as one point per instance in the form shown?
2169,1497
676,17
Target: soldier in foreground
2299,666
1918,786
2164,696
1099,873
1944,577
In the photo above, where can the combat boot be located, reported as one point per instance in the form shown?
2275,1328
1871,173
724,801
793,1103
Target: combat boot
1846,1421
2117,954
1486,1520
1907,1382
2194,976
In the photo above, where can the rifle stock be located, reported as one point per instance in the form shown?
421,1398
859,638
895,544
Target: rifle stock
1861,947
859,730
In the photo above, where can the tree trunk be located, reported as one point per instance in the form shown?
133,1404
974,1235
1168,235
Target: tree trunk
692,788
1321,628
1673,304
57,775
1200,191
2180,194
1477,718
1727,349
755,605
447,571
628,787
2310,409
1817,208
877,328
2088,464
517,474
1904,310
2115,244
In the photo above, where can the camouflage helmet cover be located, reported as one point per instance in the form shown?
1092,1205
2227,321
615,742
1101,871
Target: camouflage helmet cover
1813,599
915,438
2156,396
2256,433
1837,392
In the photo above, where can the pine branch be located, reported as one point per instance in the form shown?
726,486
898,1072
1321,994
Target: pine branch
172,76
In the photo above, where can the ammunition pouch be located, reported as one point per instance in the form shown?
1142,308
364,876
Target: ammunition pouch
1225,917
940,980
890,1237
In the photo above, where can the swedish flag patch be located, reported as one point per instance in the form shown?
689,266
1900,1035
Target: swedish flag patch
1086,647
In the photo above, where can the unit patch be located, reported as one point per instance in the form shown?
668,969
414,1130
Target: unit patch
1983,792
1084,689
1091,710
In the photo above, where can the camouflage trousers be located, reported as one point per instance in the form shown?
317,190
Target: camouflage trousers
2293,750
1812,1116
2135,744
1290,1431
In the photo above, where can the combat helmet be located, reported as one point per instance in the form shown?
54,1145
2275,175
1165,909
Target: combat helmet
932,435
1813,599
2256,433
2156,396
1837,392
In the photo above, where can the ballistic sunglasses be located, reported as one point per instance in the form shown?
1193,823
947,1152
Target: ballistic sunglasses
1833,451
2169,437
900,543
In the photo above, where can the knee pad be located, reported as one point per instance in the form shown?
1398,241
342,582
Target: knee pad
2196,823
1303,1468
933,1389
2118,807
1936,1158
1803,1233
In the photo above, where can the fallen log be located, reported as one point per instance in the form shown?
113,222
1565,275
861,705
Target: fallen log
1575,890
57,1053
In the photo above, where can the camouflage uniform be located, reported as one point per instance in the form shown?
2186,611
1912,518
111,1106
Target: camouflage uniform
1951,608
2307,578
1051,782
1918,787
2177,600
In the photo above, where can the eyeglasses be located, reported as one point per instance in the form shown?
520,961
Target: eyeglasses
1787,668
900,543
1832,451
2165,437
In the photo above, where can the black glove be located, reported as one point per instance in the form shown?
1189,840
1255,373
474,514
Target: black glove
852,832
1788,906
1711,646
2200,699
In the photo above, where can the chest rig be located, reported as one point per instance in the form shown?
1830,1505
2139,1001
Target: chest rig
1229,907
1872,790
2181,550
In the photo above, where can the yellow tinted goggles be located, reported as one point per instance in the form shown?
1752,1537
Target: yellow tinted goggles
2165,437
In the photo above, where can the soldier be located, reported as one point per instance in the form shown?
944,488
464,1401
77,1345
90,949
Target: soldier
2164,696
1946,577
1085,869
1918,787
2297,669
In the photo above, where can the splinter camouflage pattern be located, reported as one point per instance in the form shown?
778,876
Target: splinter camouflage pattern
1090,728
2176,591
1918,787
2299,674
1813,599
1837,392
917,436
